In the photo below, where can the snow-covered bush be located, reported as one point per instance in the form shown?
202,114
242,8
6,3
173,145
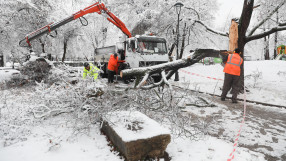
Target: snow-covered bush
36,69
255,77
282,74
16,80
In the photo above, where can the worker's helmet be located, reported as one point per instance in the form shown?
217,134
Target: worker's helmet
85,64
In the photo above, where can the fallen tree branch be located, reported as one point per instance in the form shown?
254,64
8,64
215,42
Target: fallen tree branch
171,67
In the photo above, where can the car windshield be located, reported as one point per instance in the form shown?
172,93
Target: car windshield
152,47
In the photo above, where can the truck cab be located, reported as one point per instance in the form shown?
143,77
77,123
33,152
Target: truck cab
138,51
143,51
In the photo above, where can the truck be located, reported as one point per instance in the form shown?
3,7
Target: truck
135,51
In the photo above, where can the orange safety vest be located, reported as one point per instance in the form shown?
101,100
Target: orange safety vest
112,63
232,65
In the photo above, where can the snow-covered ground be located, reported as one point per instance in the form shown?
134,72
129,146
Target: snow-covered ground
6,73
265,80
53,138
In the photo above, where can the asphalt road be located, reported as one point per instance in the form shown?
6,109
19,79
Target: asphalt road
264,130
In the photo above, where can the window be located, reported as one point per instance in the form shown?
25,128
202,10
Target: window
153,47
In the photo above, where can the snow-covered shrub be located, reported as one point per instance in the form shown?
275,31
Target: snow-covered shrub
16,80
282,74
255,77
36,70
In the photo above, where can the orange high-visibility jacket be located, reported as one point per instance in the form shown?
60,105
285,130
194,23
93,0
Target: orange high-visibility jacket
232,65
112,63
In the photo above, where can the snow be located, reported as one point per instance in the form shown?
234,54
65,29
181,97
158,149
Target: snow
271,84
53,138
227,11
7,73
207,149
120,120
41,146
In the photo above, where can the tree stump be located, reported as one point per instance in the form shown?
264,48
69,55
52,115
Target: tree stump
135,135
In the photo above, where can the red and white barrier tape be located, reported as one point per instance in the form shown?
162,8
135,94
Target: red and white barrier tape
231,155
184,71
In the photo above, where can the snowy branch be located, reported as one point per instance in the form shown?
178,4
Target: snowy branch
261,35
282,24
143,80
172,67
212,30
197,13
264,20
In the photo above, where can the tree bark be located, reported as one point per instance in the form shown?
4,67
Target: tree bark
243,25
42,45
65,49
266,49
171,51
276,37
183,43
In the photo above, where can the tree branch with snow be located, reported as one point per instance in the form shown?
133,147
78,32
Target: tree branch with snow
143,73
266,33
282,24
212,30
267,18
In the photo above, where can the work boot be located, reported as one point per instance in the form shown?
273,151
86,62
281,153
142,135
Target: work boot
234,101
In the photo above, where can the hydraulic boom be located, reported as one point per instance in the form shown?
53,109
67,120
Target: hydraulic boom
97,7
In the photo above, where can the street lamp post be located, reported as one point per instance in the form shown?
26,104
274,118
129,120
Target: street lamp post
178,7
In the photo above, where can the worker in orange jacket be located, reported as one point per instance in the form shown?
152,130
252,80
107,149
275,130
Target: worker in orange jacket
232,70
112,67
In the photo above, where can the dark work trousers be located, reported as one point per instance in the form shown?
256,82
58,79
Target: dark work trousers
111,76
230,81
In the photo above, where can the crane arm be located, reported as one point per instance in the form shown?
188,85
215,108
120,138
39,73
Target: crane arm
97,7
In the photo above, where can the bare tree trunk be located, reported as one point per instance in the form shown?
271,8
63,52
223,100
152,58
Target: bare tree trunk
276,37
171,51
183,42
243,25
43,46
266,48
65,49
